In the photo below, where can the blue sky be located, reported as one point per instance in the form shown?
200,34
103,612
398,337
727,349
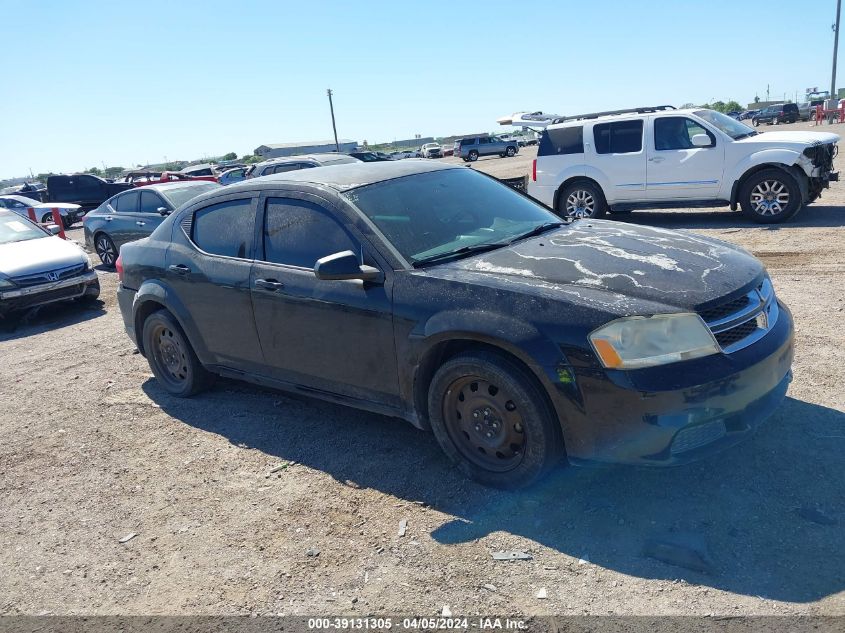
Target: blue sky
123,83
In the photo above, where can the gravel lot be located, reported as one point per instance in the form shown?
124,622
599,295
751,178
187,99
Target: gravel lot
228,492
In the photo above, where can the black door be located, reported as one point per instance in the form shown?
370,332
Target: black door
208,267
334,336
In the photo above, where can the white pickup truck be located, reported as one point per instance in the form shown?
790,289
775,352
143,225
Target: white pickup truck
660,157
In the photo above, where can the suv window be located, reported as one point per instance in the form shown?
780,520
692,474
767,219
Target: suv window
225,229
483,140
467,141
150,202
127,203
298,233
790,107
280,169
620,137
676,132
567,140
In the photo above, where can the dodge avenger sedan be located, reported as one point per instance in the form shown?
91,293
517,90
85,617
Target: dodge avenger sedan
436,294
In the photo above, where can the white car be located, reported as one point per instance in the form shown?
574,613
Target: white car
431,150
658,157
37,267
71,213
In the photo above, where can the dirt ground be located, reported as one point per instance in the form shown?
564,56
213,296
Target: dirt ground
248,501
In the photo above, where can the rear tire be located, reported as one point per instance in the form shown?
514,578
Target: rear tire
493,420
106,250
581,199
473,155
770,196
171,357
510,152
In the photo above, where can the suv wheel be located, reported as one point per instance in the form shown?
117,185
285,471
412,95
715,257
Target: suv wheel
581,200
510,152
770,196
492,420
106,250
756,122
171,357
473,155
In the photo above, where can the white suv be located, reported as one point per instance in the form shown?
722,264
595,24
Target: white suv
662,157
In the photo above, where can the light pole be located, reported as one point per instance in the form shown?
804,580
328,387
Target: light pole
334,127
833,94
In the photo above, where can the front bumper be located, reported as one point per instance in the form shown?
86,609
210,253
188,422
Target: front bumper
72,288
677,414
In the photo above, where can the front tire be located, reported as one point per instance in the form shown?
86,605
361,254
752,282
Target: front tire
171,357
770,196
493,421
755,122
581,200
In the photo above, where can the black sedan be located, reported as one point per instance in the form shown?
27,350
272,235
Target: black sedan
436,294
134,214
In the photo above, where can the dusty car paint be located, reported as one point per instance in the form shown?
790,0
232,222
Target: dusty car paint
376,346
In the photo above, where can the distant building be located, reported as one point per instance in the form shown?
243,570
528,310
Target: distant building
277,150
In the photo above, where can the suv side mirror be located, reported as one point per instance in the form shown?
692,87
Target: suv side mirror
701,140
344,265
163,211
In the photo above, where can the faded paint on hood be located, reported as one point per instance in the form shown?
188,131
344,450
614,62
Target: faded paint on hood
793,137
655,265
39,255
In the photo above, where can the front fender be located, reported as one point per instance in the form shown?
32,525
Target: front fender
157,291
774,157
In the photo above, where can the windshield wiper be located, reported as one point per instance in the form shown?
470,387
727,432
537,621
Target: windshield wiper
459,252
537,230
746,135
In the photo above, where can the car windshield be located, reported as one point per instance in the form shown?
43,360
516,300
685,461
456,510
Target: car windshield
432,214
15,229
180,195
729,126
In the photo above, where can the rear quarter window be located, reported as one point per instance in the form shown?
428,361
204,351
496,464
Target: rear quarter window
568,140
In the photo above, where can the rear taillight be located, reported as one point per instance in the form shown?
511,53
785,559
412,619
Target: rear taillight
534,170
118,265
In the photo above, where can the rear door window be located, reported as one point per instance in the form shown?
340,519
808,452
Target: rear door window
226,228
127,203
619,137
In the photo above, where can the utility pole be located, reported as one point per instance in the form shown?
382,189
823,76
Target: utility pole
334,127
833,94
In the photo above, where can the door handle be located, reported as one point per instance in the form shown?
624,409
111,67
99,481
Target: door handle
179,269
270,285
656,159
108,218
139,223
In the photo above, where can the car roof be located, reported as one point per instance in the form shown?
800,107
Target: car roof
300,157
623,117
24,199
349,175
165,186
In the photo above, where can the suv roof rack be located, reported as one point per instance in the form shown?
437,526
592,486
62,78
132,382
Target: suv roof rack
595,115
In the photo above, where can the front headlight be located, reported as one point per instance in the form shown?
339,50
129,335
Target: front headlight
635,342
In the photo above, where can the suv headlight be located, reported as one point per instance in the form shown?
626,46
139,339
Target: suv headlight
635,342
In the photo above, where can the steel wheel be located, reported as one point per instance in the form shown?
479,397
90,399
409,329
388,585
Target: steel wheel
580,203
106,249
170,356
769,197
484,423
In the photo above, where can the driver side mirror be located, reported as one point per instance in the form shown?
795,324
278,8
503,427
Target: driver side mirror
163,211
701,140
344,265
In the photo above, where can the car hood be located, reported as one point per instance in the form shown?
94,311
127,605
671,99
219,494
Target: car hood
620,264
40,255
790,138
57,205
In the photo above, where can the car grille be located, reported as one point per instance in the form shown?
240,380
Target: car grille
49,276
697,436
742,321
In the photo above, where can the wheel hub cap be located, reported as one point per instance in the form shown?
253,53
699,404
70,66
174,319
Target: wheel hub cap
770,197
580,204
